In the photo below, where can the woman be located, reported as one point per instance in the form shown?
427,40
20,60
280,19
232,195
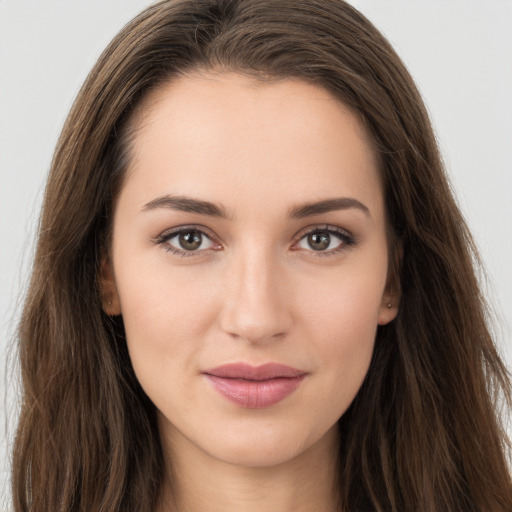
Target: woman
253,288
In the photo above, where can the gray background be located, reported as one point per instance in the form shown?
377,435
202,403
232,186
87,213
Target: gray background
459,52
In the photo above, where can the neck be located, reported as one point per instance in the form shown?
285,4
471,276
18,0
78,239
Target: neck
200,483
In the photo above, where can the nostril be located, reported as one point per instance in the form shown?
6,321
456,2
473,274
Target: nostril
253,307
257,329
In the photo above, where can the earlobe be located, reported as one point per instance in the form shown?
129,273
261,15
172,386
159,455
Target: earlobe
392,294
388,311
108,290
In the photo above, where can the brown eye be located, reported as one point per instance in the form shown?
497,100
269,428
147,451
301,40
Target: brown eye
325,241
319,241
190,240
187,241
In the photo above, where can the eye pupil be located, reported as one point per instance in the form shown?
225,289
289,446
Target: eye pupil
319,241
190,240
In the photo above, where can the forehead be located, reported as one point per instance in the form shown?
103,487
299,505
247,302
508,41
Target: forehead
236,138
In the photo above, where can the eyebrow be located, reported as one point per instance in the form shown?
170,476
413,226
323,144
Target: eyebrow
326,206
187,204
191,205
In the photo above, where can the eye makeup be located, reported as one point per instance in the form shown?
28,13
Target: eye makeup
186,241
323,241
194,241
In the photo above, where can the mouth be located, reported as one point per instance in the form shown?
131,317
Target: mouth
255,387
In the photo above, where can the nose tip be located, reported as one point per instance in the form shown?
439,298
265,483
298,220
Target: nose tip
255,308
254,333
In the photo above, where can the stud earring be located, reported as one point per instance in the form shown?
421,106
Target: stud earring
389,305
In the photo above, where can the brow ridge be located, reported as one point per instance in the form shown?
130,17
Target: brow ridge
186,204
191,205
326,206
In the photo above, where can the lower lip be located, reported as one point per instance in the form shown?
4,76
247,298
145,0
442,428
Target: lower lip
255,394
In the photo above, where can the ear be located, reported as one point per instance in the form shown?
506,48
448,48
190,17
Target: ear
392,293
110,302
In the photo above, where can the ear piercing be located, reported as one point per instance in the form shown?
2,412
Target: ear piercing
389,305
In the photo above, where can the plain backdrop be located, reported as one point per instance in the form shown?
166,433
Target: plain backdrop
459,52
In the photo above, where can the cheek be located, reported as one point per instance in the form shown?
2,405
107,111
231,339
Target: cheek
165,313
342,318
344,304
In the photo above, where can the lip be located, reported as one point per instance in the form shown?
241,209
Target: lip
255,387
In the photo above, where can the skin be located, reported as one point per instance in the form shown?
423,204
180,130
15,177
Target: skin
255,291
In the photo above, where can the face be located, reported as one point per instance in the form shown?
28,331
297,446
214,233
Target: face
250,264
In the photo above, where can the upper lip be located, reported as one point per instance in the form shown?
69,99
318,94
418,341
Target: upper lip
247,372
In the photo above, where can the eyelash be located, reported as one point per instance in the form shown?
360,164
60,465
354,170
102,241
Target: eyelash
346,239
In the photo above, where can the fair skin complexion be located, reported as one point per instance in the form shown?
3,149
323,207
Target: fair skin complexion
258,278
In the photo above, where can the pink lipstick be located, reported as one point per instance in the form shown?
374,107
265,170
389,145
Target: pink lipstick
255,387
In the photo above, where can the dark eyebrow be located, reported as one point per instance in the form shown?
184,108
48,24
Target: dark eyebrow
190,205
327,205
186,204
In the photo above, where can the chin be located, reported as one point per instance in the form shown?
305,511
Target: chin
269,446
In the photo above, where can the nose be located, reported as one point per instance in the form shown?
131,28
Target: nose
255,306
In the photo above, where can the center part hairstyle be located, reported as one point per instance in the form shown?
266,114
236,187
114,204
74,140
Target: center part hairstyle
423,433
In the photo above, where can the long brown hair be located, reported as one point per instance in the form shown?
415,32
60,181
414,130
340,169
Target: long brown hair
423,433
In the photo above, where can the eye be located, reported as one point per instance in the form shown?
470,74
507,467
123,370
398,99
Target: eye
325,240
186,241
